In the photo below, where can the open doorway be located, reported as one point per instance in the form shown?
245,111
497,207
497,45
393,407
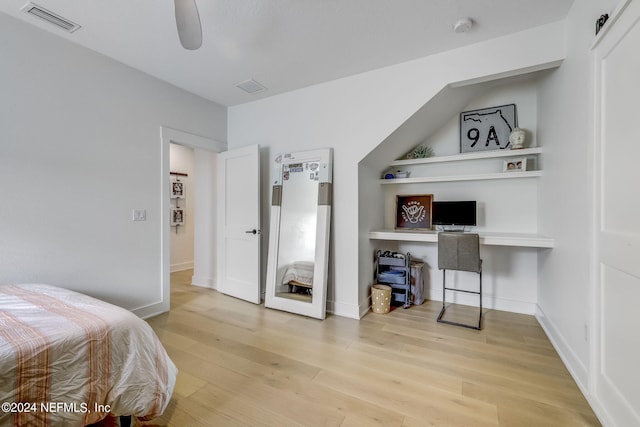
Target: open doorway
182,201
203,195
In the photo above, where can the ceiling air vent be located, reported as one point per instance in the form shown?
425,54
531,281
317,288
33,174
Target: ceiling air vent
251,86
50,17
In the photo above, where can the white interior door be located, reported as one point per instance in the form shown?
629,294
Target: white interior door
616,377
239,223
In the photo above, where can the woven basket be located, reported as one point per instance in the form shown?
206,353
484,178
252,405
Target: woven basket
380,298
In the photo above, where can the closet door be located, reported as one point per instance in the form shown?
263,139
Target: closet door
616,350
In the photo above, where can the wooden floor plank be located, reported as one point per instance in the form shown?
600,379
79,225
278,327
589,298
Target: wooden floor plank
518,409
446,408
241,364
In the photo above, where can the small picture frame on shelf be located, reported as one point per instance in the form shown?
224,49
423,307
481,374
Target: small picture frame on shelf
413,212
178,190
519,164
177,216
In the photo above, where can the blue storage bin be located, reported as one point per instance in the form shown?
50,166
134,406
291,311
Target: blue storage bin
392,277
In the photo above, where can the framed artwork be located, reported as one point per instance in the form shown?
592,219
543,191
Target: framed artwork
517,165
178,190
487,129
413,212
177,216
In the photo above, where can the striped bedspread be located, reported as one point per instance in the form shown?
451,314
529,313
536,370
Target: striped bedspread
69,359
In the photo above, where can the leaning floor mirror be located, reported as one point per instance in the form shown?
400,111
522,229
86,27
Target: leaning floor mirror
299,233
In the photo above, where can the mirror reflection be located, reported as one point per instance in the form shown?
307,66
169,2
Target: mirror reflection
297,240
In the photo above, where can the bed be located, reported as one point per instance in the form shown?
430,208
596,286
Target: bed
70,359
299,275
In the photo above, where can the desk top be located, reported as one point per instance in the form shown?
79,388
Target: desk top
531,240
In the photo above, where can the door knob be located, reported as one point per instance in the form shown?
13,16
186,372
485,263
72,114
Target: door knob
254,231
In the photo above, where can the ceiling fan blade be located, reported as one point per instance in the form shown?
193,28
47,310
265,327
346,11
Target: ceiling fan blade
188,23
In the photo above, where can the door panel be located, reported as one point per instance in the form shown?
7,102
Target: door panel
616,349
620,296
239,223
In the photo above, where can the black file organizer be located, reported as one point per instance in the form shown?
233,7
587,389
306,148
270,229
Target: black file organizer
394,269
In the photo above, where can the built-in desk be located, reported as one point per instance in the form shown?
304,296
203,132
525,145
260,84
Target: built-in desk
529,240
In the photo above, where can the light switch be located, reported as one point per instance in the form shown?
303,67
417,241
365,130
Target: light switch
139,214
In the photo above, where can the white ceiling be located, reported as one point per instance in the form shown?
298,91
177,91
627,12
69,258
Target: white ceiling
283,44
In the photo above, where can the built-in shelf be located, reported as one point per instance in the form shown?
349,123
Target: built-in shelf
474,177
491,154
529,240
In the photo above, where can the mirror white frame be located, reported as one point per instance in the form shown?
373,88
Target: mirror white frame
317,307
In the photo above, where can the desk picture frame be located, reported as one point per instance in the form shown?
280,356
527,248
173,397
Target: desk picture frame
520,164
413,212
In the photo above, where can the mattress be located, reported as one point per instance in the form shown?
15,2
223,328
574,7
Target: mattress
70,359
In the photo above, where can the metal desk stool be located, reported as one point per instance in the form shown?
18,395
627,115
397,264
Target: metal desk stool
459,251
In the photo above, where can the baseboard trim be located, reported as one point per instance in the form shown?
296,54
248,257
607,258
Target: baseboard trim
488,302
575,366
181,266
151,310
204,282
365,307
343,310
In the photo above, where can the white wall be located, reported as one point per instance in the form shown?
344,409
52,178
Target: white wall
521,91
353,115
205,264
181,159
80,149
566,201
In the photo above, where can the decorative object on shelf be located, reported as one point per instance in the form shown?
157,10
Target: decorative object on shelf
414,211
600,22
487,128
420,152
518,165
389,176
402,174
517,138
177,216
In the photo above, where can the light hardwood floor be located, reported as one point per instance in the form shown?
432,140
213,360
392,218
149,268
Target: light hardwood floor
242,364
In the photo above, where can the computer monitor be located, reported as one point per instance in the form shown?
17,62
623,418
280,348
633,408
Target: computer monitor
454,213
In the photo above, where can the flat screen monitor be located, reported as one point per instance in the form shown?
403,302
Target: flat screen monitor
454,213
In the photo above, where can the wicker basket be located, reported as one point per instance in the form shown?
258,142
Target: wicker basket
380,298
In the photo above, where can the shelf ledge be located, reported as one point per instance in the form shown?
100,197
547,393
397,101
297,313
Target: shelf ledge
490,154
476,177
